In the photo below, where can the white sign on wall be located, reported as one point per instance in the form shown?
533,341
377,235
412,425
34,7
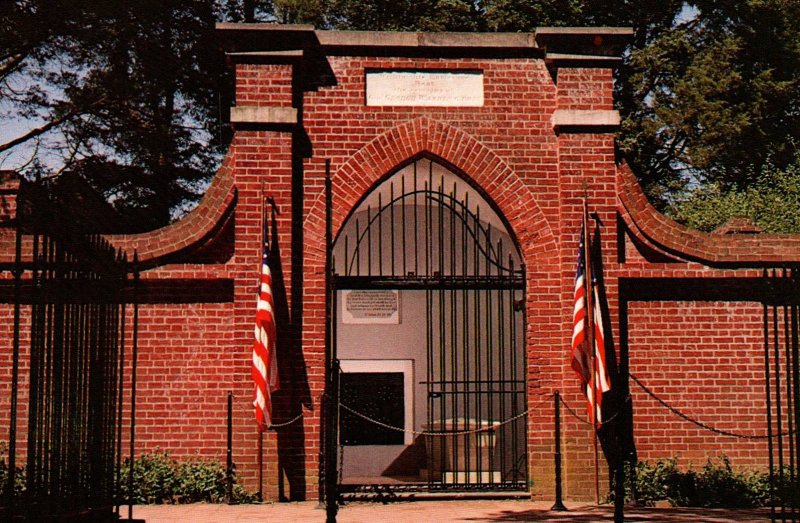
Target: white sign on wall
425,88
370,307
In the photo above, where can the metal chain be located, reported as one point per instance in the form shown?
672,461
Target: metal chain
580,418
573,413
286,423
569,409
443,434
341,462
426,433
700,423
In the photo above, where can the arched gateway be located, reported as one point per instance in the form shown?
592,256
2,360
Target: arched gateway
432,149
430,326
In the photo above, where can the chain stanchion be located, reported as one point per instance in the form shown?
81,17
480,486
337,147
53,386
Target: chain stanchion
229,467
559,504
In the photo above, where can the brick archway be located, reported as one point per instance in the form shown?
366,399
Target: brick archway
485,169
512,199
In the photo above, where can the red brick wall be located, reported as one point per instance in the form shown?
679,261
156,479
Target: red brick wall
192,354
264,85
707,360
6,366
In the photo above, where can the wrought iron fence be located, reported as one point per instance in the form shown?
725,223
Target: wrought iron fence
74,286
782,384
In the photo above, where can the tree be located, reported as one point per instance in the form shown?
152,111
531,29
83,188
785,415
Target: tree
126,94
407,15
771,201
131,89
711,98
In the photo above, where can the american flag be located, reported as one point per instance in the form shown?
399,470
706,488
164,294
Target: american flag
581,359
265,364
602,382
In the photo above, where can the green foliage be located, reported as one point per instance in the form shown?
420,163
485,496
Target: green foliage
524,15
127,93
406,15
713,98
661,481
716,485
771,201
159,478
19,476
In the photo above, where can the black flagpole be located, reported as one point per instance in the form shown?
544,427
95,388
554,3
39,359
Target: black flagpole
590,338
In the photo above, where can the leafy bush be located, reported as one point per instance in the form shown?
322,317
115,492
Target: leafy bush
19,477
159,478
771,201
719,486
715,485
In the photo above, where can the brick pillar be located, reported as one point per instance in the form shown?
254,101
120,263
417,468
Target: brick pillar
270,166
584,123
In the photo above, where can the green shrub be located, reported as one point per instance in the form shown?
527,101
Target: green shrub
201,481
720,486
19,476
159,478
154,478
715,485
661,481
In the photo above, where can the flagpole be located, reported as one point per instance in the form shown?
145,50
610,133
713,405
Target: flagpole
590,338
260,428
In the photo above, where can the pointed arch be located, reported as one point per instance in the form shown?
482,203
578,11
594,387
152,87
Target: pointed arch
483,168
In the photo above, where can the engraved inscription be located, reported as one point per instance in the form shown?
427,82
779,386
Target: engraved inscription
423,88
370,306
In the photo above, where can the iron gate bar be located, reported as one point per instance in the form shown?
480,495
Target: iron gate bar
789,385
12,436
767,373
781,318
492,257
473,289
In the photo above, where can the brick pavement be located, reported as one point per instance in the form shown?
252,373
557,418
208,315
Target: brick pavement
431,511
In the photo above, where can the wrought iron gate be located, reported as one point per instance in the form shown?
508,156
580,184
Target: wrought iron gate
74,285
425,230
782,381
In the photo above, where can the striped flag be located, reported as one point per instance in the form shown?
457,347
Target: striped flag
602,381
581,357
265,364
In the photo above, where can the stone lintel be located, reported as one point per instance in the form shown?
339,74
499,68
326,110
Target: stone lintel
252,114
589,119
597,40
266,57
382,39
587,41
556,60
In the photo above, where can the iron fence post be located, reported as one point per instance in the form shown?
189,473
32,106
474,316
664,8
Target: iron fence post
229,466
558,505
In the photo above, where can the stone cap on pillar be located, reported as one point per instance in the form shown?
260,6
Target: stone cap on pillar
265,41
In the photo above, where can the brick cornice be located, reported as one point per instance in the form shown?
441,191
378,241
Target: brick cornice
730,250
161,245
